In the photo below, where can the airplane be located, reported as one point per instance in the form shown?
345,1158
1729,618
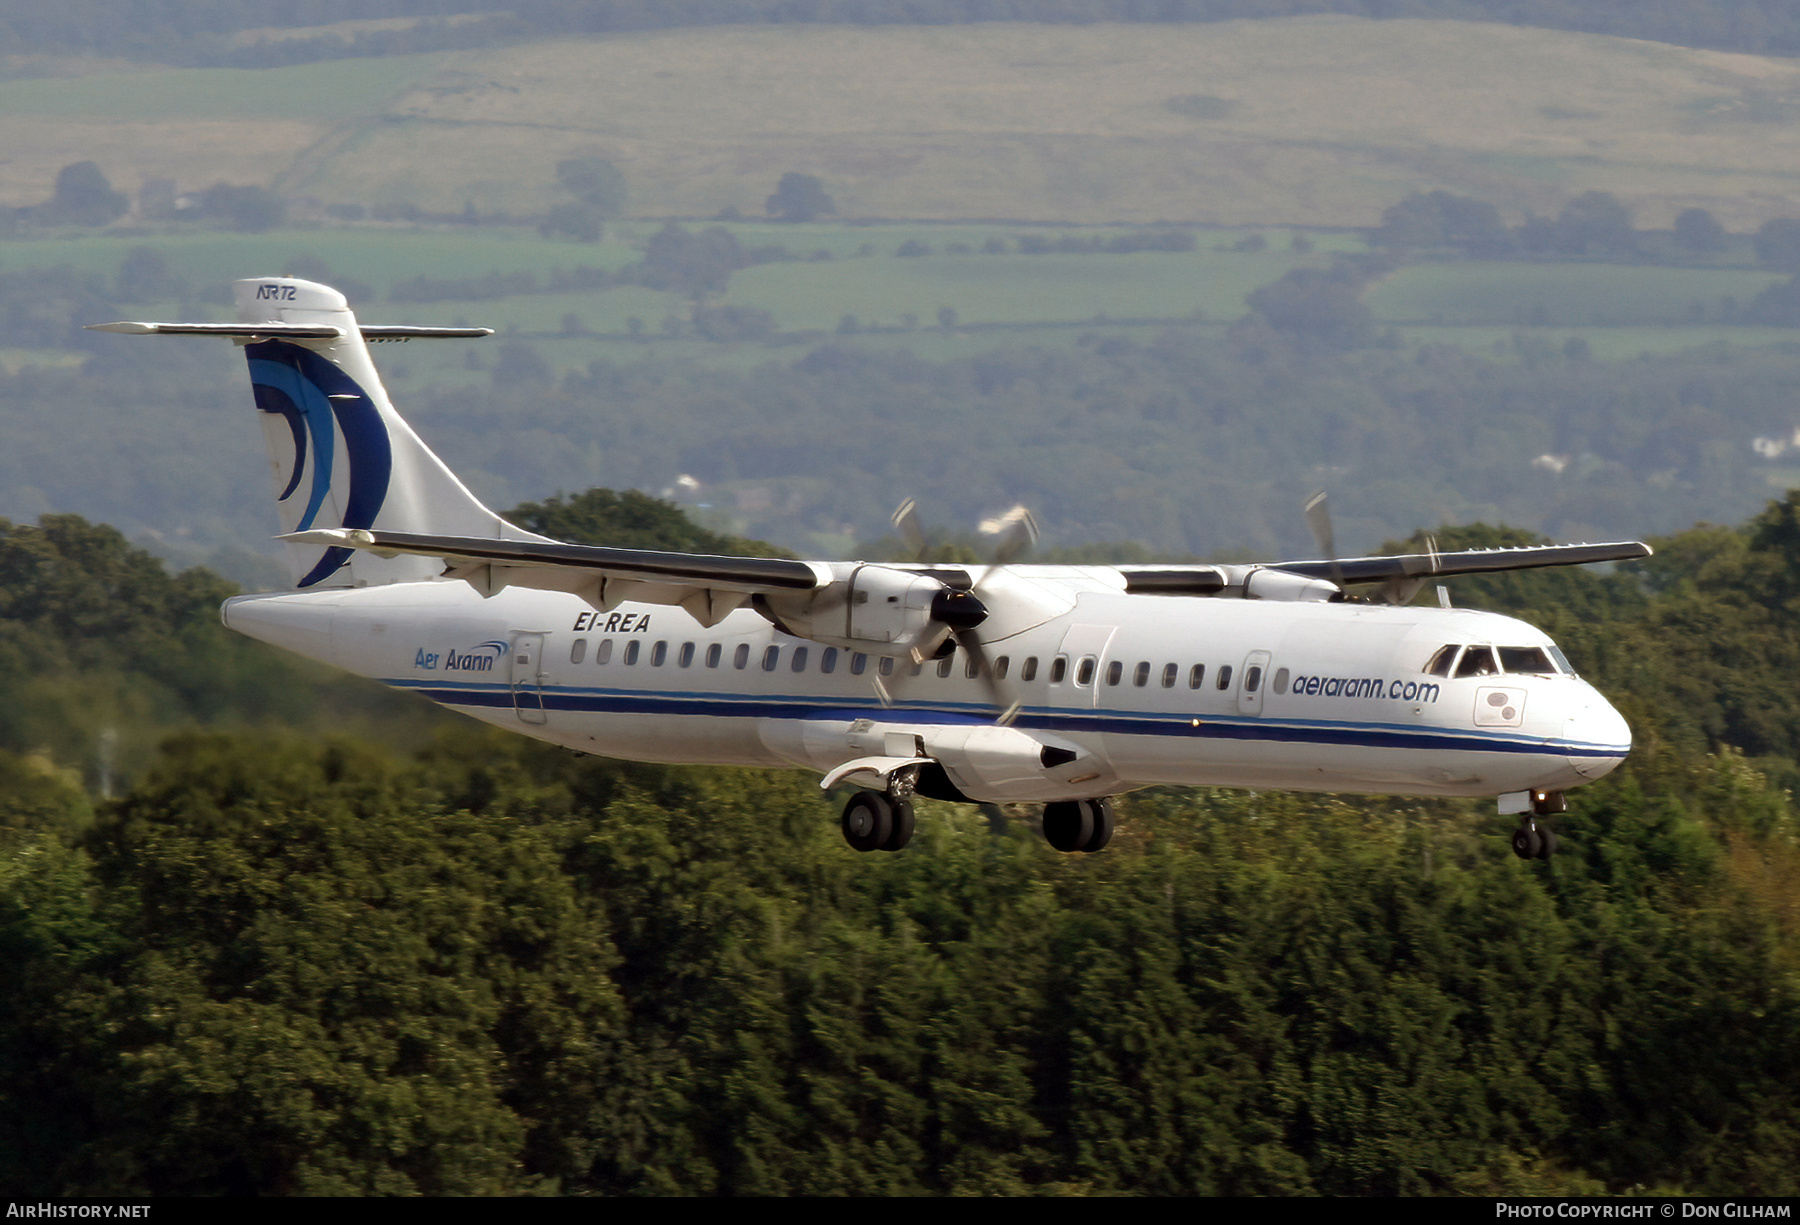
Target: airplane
1059,685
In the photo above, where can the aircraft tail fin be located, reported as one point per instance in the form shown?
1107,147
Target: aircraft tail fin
341,456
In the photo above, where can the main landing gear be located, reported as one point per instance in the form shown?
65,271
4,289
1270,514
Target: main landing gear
883,821
877,822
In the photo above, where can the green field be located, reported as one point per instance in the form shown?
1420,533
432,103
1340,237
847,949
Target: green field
1561,295
1508,311
329,90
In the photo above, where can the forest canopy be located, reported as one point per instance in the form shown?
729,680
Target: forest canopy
286,961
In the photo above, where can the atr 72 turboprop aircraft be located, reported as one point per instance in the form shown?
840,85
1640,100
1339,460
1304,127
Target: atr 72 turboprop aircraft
1058,685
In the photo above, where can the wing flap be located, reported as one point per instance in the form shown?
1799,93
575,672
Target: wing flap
1207,579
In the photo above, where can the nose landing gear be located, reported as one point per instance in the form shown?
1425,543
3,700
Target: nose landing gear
1533,841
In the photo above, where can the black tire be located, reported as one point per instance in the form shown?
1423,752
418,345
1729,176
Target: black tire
1068,824
868,818
900,832
1102,811
1526,843
1547,842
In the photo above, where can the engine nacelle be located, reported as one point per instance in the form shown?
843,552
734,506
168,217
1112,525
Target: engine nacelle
879,610
1264,583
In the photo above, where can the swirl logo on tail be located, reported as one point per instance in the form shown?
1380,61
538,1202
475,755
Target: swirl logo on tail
313,395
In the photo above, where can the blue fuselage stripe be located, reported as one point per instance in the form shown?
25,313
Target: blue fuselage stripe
472,695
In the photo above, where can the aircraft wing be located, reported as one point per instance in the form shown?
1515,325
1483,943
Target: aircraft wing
707,586
1208,580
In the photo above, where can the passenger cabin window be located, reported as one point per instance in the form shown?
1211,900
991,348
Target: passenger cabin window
1280,683
1170,672
858,663
1224,681
1000,667
798,663
658,653
1084,671
1059,668
740,658
1196,676
828,661
577,650
1477,661
886,666
1140,675
944,666
603,652
972,668
631,651
713,653
686,658
771,657
1029,671
1115,672
1252,678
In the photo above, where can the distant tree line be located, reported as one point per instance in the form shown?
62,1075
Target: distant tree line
206,34
1594,225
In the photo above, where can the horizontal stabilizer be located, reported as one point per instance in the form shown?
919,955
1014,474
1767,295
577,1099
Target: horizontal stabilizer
287,331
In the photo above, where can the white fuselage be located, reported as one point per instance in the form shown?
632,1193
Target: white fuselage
1113,693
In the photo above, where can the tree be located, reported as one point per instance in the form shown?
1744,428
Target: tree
244,206
1321,306
84,197
1595,222
1777,244
680,261
599,196
595,182
629,520
1439,219
799,197
1697,231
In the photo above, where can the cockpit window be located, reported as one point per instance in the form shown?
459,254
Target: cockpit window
1530,660
1562,660
1477,661
1440,663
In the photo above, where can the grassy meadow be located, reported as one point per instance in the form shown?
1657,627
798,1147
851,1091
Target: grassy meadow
1310,121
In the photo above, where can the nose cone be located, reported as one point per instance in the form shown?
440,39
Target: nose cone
1597,736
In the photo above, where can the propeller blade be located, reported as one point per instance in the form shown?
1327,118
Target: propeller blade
1015,531
1318,518
906,524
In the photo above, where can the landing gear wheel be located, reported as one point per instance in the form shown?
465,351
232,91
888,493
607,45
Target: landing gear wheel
1546,841
868,820
1102,812
1069,824
901,831
1527,842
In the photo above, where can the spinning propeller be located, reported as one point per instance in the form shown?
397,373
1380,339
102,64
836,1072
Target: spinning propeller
1394,590
958,613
